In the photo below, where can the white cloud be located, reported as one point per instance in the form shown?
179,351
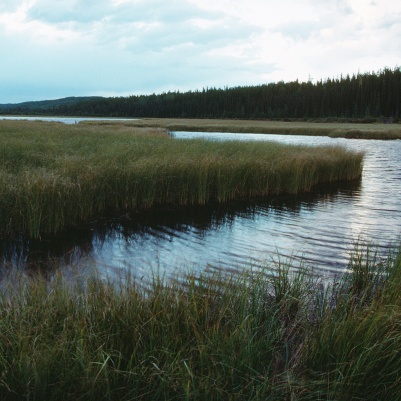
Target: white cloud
84,47
82,11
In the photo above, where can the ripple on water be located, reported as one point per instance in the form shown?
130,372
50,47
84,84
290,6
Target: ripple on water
318,228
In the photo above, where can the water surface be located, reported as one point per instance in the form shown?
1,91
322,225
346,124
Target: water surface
64,120
319,228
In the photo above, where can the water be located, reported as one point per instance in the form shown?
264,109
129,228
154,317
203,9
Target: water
64,120
319,228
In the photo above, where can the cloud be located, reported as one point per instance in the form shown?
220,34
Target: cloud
84,47
84,12
7,6
149,26
81,11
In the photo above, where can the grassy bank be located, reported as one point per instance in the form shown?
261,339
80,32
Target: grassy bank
279,336
331,129
54,175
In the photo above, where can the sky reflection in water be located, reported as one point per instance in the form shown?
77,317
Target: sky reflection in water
320,228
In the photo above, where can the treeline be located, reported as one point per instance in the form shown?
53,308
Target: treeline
361,96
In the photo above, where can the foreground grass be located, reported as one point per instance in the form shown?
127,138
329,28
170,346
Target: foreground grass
281,335
331,129
54,175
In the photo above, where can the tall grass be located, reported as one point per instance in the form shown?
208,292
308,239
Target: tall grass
354,352
317,128
54,175
280,334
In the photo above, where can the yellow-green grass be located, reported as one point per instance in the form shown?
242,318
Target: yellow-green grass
278,334
331,129
54,175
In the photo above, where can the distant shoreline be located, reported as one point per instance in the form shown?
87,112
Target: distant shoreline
331,129
351,130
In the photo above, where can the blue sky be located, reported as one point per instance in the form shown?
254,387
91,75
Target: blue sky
57,48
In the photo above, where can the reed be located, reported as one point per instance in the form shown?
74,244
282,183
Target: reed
278,333
353,352
53,176
317,128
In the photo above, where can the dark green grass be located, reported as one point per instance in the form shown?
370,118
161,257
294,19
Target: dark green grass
275,334
53,176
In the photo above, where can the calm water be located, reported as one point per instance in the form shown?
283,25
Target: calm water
64,120
320,227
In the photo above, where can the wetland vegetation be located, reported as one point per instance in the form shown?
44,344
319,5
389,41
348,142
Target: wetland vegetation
334,129
277,333
53,176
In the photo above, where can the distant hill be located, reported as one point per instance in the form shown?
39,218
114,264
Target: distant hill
44,105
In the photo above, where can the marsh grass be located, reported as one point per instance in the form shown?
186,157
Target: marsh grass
318,128
53,176
354,352
278,333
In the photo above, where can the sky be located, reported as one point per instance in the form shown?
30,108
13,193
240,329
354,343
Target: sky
57,48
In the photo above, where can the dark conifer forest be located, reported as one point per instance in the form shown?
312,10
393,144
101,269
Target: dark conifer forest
368,96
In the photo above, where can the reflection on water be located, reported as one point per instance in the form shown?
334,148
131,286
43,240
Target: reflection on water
64,120
319,227
141,241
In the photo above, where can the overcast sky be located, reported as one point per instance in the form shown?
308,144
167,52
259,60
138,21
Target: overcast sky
57,48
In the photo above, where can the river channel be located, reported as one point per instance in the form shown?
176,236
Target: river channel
319,228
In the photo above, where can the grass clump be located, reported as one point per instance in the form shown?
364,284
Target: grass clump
189,341
53,175
353,353
280,333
